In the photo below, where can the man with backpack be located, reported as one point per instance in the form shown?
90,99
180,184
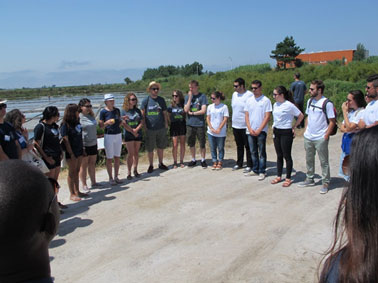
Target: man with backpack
321,121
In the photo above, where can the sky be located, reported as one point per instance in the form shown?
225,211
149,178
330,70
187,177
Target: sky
77,42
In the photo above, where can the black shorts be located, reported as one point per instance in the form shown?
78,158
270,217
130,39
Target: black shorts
91,150
56,163
77,154
130,137
177,129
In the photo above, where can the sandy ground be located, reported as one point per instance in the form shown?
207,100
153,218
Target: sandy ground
196,225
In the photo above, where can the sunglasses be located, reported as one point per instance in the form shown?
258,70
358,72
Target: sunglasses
236,86
213,98
155,88
174,95
88,106
254,88
3,105
312,89
132,99
275,94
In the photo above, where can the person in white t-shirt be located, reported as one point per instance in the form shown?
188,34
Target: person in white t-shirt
317,134
258,110
353,109
284,111
217,115
239,98
370,117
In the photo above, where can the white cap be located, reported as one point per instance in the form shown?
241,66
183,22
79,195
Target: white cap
3,101
108,96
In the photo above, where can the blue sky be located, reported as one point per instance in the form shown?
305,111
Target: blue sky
74,42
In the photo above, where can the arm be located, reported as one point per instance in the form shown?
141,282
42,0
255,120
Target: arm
225,118
348,126
299,120
187,105
166,118
42,152
251,132
264,122
199,112
332,123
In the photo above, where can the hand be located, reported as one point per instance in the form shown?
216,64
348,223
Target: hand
126,118
257,132
326,137
190,93
293,130
30,146
345,106
110,122
50,160
135,133
216,131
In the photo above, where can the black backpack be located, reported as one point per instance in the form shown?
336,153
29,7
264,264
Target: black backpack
324,109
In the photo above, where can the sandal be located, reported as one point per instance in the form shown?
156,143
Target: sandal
182,165
276,180
287,183
62,206
129,177
75,198
175,165
136,174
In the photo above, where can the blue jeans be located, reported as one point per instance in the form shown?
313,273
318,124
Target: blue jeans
257,146
216,144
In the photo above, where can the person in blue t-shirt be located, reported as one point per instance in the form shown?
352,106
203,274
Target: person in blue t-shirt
298,88
195,107
154,110
110,119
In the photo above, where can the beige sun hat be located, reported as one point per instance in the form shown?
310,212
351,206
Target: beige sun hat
151,84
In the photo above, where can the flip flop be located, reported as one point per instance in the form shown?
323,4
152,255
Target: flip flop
287,183
75,198
276,180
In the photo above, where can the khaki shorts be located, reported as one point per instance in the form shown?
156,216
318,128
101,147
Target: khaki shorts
156,139
193,132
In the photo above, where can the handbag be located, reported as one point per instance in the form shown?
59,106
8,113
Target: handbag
35,160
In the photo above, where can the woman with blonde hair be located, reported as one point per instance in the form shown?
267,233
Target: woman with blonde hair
177,129
133,132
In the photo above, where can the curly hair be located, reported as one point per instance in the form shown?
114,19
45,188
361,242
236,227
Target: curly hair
126,101
14,117
70,117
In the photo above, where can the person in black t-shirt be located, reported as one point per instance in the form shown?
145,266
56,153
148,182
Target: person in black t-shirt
9,146
71,132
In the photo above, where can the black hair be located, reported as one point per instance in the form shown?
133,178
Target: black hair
82,102
358,97
240,81
372,78
194,82
297,75
49,112
219,94
288,95
257,82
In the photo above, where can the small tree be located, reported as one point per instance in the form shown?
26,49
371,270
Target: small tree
360,53
286,52
128,80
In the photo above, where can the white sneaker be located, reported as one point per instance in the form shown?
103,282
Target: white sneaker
261,176
251,173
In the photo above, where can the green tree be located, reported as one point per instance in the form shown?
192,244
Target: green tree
128,81
360,53
286,52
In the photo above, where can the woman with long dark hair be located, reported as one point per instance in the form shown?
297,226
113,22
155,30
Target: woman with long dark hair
71,132
89,130
284,111
353,109
47,141
353,256
133,136
177,128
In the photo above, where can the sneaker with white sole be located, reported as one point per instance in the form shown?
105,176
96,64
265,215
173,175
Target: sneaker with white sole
261,176
247,170
251,174
236,167
307,183
324,189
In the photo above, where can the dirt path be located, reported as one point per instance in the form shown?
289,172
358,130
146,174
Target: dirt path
195,225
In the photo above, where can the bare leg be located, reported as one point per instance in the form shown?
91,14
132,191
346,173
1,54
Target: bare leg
130,155
92,168
83,171
174,149
76,176
116,166
109,168
151,158
71,178
136,155
160,153
182,148
203,152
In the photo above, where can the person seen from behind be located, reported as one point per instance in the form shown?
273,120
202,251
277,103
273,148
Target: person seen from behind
353,255
298,88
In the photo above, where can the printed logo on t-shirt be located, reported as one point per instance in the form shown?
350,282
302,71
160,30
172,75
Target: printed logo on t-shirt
154,110
55,132
196,105
78,128
7,138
